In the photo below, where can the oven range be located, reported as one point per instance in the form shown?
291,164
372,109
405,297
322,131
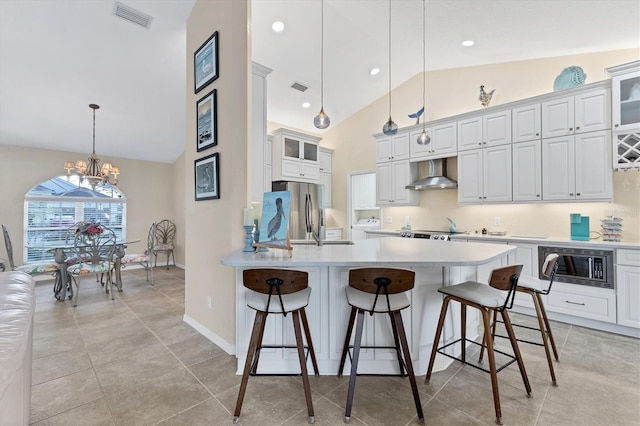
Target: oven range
428,235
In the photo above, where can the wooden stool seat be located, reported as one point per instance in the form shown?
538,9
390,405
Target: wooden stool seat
378,291
277,291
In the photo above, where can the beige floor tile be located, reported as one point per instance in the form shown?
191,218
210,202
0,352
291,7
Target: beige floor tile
157,399
194,349
123,347
62,394
95,413
208,413
57,343
217,373
326,413
59,365
133,371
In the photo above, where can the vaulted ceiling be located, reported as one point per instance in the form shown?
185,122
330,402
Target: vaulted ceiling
58,56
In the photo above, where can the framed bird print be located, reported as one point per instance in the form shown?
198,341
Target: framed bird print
205,63
207,177
207,121
274,222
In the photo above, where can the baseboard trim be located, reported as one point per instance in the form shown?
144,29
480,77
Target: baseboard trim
219,341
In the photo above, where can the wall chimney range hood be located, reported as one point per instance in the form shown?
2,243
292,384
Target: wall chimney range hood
434,182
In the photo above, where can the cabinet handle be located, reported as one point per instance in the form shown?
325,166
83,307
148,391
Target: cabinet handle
480,198
615,125
574,303
537,134
571,194
479,143
570,129
577,194
577,127
538,195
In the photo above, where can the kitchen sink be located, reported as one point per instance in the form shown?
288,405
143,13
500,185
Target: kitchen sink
324,243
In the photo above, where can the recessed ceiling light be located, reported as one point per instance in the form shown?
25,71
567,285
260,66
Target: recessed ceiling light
277,26
374,71
306,105
468,43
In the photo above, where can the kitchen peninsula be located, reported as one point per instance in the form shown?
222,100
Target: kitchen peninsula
436,264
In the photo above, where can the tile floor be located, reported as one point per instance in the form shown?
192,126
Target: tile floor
133,361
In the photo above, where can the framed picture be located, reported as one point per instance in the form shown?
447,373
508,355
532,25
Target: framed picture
274,223
205,63
207,177
207,121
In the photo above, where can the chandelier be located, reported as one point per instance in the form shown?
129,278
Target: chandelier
94,171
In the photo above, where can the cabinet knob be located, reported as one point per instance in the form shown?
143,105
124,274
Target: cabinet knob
480,198
577,127
615,125
537,134
570,129
577,194
479,143
571,194
538,195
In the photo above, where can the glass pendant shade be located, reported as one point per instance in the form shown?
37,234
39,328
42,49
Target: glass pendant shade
390,127
322,120
424,138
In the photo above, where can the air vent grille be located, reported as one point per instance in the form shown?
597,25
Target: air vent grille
132,15
299,86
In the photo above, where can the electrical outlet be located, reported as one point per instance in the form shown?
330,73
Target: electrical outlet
497,221
388,219
209,302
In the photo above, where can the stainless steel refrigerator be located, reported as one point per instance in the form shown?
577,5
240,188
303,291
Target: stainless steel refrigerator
306,220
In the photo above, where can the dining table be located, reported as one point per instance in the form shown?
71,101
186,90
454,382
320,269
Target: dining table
62,283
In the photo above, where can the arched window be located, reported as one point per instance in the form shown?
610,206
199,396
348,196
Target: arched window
54,205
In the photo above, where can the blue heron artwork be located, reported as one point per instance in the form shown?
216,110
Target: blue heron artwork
274,223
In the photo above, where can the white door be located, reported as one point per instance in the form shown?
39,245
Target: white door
497,173
557,117
496,128
526,123
384,182
527,171
470,176
593,111
558,169
593,166
470,133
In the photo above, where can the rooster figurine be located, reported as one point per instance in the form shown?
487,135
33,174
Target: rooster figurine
485,97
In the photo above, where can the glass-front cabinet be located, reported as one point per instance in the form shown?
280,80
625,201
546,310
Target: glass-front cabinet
295,156
625,112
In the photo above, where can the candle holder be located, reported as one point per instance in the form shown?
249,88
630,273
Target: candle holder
248,239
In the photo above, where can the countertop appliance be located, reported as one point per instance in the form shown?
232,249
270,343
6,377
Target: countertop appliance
429,235
362,225
306,220
580,266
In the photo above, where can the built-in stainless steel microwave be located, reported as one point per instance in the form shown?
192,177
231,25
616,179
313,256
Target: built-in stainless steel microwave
580,266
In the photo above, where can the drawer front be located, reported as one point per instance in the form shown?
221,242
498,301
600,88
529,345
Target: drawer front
333,234
628,257
598,307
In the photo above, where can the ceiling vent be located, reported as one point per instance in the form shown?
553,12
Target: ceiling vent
132,15
299,86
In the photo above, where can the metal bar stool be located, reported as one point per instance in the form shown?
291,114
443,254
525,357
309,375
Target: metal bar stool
366,287
533,287
277,291
496,297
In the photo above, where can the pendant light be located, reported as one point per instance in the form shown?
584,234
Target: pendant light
390,128
322,121
423,138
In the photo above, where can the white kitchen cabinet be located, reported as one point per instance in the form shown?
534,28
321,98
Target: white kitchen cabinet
486,130
391,178
527,171
526,123
332,234
325,160
625,112
628,287
260,158
585,112
577,167
527,256
444,142
392,148
363,191
295,156
484,175
582,301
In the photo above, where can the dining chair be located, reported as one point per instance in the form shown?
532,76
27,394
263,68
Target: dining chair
35,268
142,259
165,233
91,254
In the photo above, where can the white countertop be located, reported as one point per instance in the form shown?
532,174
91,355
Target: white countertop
389,251
541,240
